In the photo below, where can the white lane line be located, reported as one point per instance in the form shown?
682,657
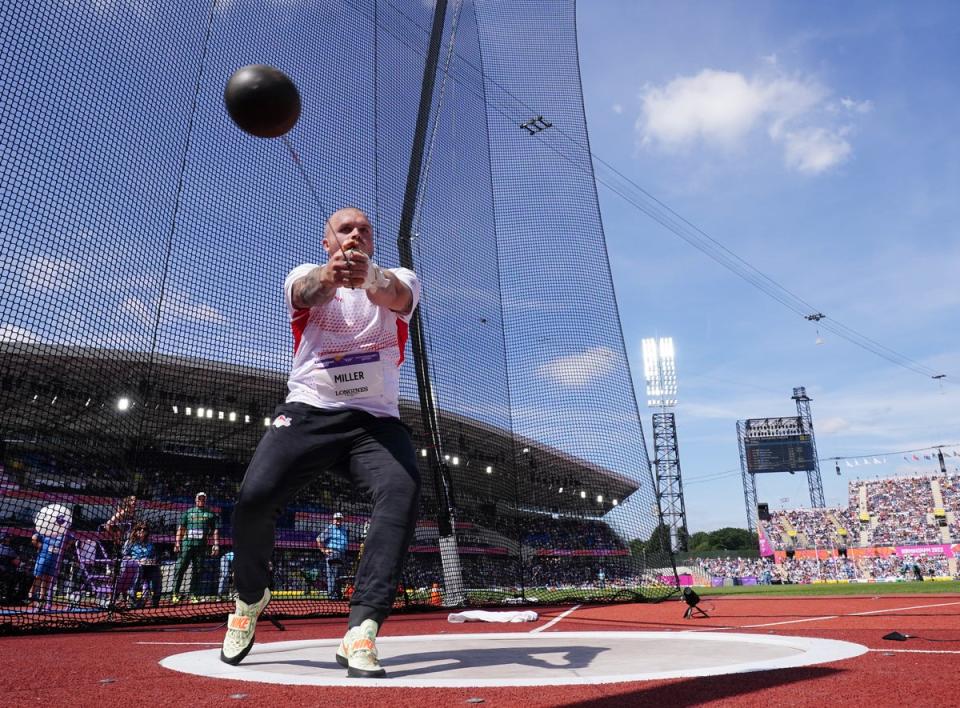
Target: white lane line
202,644
900,609
765,624
917,651
825,617
555,620
805,619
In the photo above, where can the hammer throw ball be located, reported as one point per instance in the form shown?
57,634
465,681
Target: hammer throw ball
262,100
53,520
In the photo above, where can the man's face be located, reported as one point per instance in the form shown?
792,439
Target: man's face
201,501
348,228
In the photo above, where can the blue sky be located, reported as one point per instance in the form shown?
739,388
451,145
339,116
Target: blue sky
818,142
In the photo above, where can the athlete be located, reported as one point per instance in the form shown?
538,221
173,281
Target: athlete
197,526
349,319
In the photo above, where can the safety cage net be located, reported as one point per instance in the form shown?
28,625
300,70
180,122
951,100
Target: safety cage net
145,340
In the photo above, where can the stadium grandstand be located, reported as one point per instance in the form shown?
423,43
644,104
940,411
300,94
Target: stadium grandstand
70,445
895,528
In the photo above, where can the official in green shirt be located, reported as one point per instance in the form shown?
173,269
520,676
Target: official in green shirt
198,526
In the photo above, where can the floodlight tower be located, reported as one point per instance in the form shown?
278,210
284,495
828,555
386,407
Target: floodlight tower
814,481
660,372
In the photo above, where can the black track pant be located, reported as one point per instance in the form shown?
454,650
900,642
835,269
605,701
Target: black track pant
378,456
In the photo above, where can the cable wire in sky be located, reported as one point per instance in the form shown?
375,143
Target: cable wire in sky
602,172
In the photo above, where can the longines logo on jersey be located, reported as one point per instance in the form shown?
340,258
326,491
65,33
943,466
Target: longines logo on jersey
281,421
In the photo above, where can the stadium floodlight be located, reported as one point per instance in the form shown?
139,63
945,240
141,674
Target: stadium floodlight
615,502
489,469
660,371
123,403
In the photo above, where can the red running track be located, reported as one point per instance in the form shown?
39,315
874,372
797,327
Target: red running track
120,667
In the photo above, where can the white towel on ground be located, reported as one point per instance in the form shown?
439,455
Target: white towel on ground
485,616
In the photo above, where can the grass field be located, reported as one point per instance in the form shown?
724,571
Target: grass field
818,590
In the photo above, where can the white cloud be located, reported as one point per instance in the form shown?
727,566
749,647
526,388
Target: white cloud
815,150
51,275
577,370
829,426
725,109
713,106
856,106
176,305
617,108
12,333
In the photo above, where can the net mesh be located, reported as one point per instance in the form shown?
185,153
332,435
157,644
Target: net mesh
145,341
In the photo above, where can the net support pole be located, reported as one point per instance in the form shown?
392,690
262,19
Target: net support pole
452,573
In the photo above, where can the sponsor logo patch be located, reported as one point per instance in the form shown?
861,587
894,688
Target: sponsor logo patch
281,421
240,622
362,645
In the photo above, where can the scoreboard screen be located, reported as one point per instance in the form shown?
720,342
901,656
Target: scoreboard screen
782,453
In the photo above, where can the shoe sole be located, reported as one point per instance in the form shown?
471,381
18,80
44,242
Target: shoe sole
239,657
361,673
358,673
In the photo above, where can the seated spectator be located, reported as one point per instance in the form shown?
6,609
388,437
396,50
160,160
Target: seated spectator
140,551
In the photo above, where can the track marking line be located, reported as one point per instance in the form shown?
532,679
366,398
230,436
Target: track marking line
917,651
202,644
805,619
825,617
899,609
765,624
555,620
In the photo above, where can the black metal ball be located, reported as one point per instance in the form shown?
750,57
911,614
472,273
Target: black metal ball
262,100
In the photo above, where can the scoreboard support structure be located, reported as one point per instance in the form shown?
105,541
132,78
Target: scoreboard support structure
814,480
772,445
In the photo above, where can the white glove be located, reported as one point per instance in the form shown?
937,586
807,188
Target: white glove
376,279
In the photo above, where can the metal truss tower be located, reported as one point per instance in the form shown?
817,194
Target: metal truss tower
660,372
814,481
749,480
669,483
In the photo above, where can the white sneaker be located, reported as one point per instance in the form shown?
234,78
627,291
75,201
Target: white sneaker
358,651
241,626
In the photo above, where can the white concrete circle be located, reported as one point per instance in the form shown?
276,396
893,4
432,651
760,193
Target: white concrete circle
523,659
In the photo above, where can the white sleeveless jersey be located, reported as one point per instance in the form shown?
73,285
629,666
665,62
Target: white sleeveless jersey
348,339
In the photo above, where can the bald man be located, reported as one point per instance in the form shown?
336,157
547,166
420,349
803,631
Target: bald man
349,319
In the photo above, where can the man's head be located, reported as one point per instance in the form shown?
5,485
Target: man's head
201,498
338,518
348,228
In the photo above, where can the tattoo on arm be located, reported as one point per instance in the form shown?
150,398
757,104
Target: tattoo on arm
310,290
